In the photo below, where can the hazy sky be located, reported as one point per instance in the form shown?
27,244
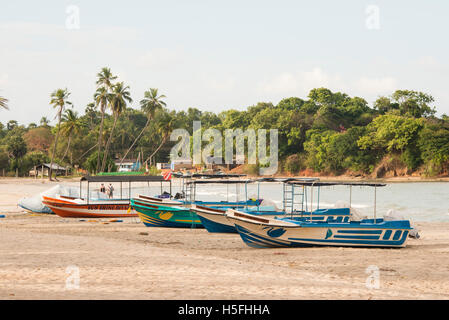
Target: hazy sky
216,55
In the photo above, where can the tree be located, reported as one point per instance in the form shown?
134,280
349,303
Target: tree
324,96
38,139
16,147
11,125
58,100
102,98
71,124
433,143
119,96
164,128
414,103
292,103
91,113
91,163
149,104
384,105
44,122
4,103
390,133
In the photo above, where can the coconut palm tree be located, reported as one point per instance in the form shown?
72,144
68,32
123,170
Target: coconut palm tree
91,113
149,104
105,78
119,96
4,103
102,98
71,124
164,128
58,100
44,122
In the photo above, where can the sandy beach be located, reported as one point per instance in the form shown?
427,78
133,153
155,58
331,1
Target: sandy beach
40,254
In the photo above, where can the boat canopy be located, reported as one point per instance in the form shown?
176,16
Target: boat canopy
123,178
207,175
335,183
220,181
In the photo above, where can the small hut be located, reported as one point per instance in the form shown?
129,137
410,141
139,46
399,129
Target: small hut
44,169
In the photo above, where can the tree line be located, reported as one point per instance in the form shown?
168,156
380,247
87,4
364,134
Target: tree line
327,132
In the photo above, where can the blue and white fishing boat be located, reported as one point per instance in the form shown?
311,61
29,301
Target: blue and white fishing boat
295,206
263,232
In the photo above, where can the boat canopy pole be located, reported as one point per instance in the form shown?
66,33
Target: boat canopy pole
311,202
246,195
237,191
350,196
375,192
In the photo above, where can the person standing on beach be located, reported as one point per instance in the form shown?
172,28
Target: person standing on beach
110,191
103,188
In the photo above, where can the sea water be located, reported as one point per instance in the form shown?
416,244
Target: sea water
418,201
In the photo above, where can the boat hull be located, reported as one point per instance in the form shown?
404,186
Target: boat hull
216,221
153,215
66,209
282,233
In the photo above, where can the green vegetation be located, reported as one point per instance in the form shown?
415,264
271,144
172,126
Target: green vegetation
328,132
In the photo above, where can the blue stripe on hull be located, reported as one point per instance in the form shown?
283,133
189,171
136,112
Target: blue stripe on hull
360,231
215,227
357,237
358,243
259,241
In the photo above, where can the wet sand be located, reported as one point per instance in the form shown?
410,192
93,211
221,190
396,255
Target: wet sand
40,256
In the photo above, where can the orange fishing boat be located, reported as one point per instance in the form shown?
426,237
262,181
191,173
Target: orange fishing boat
97,209
70,207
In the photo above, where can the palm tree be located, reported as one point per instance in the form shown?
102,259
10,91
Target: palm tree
119,96
164,129
44,122
102,98
71,125
4,103
91,113
149,104
105,78
58,100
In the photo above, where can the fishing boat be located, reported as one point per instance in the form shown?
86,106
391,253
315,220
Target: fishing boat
178,214
160,216
71,207
262,232
215,219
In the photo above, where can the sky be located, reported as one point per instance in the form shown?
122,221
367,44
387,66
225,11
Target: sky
218,55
